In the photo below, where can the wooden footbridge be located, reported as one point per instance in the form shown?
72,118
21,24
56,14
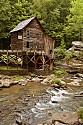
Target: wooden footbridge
25,59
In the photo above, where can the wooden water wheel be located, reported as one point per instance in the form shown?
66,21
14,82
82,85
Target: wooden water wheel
41,61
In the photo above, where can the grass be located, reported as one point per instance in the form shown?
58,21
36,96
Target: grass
17,77
10,68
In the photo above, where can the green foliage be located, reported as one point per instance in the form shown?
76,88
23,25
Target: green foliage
11,58
75,20
61,50
5,14
69,55
56,81
52,15
80,113
59,72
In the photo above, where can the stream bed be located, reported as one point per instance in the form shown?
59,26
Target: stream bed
35,102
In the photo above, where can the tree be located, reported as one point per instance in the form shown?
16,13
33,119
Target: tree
5,14
75,20
11,14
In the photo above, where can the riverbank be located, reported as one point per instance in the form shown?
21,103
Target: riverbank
68,82
43,100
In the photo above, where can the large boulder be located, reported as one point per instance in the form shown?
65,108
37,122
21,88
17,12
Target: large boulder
77,44
49,79
69,118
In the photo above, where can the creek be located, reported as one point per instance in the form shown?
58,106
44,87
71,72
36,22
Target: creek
35,102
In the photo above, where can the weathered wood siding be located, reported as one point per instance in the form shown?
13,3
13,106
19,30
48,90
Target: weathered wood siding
17,41
33,36
49,46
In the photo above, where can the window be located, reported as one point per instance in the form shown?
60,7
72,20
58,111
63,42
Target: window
50,51
19,36
27,44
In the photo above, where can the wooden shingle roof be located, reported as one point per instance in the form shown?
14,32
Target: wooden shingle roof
22,24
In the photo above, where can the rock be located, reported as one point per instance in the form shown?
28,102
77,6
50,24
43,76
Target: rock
74,83
6,82
1,85
55,85
63,118
28,77
58,123
13,82
1,76
49,79
36,79
62,82
77,44
18,121
14,124
22,82
80,122
32,74
81,93
54,101
79,75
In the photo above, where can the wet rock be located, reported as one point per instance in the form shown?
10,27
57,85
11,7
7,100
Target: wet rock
55,85
79,75
14,124
54,101
58,123
19,121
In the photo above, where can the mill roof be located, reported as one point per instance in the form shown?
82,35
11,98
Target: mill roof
22,24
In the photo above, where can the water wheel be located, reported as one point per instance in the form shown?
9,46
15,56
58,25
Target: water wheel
41,61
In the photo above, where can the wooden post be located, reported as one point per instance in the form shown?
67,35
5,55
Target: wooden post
17,59
43,60
34,54
51,64
7,59
27,61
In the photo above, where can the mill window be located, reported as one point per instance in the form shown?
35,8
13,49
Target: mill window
27,44
50,51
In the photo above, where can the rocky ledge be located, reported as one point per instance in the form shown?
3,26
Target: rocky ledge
7,81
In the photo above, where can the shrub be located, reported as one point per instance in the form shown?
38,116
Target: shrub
69,55
80,113
59,72
56,80
60,51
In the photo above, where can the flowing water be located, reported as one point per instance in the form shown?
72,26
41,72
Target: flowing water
34,102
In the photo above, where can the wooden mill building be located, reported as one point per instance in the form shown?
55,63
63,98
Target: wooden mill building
30,37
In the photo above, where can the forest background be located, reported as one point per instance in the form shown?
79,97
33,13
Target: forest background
62,19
